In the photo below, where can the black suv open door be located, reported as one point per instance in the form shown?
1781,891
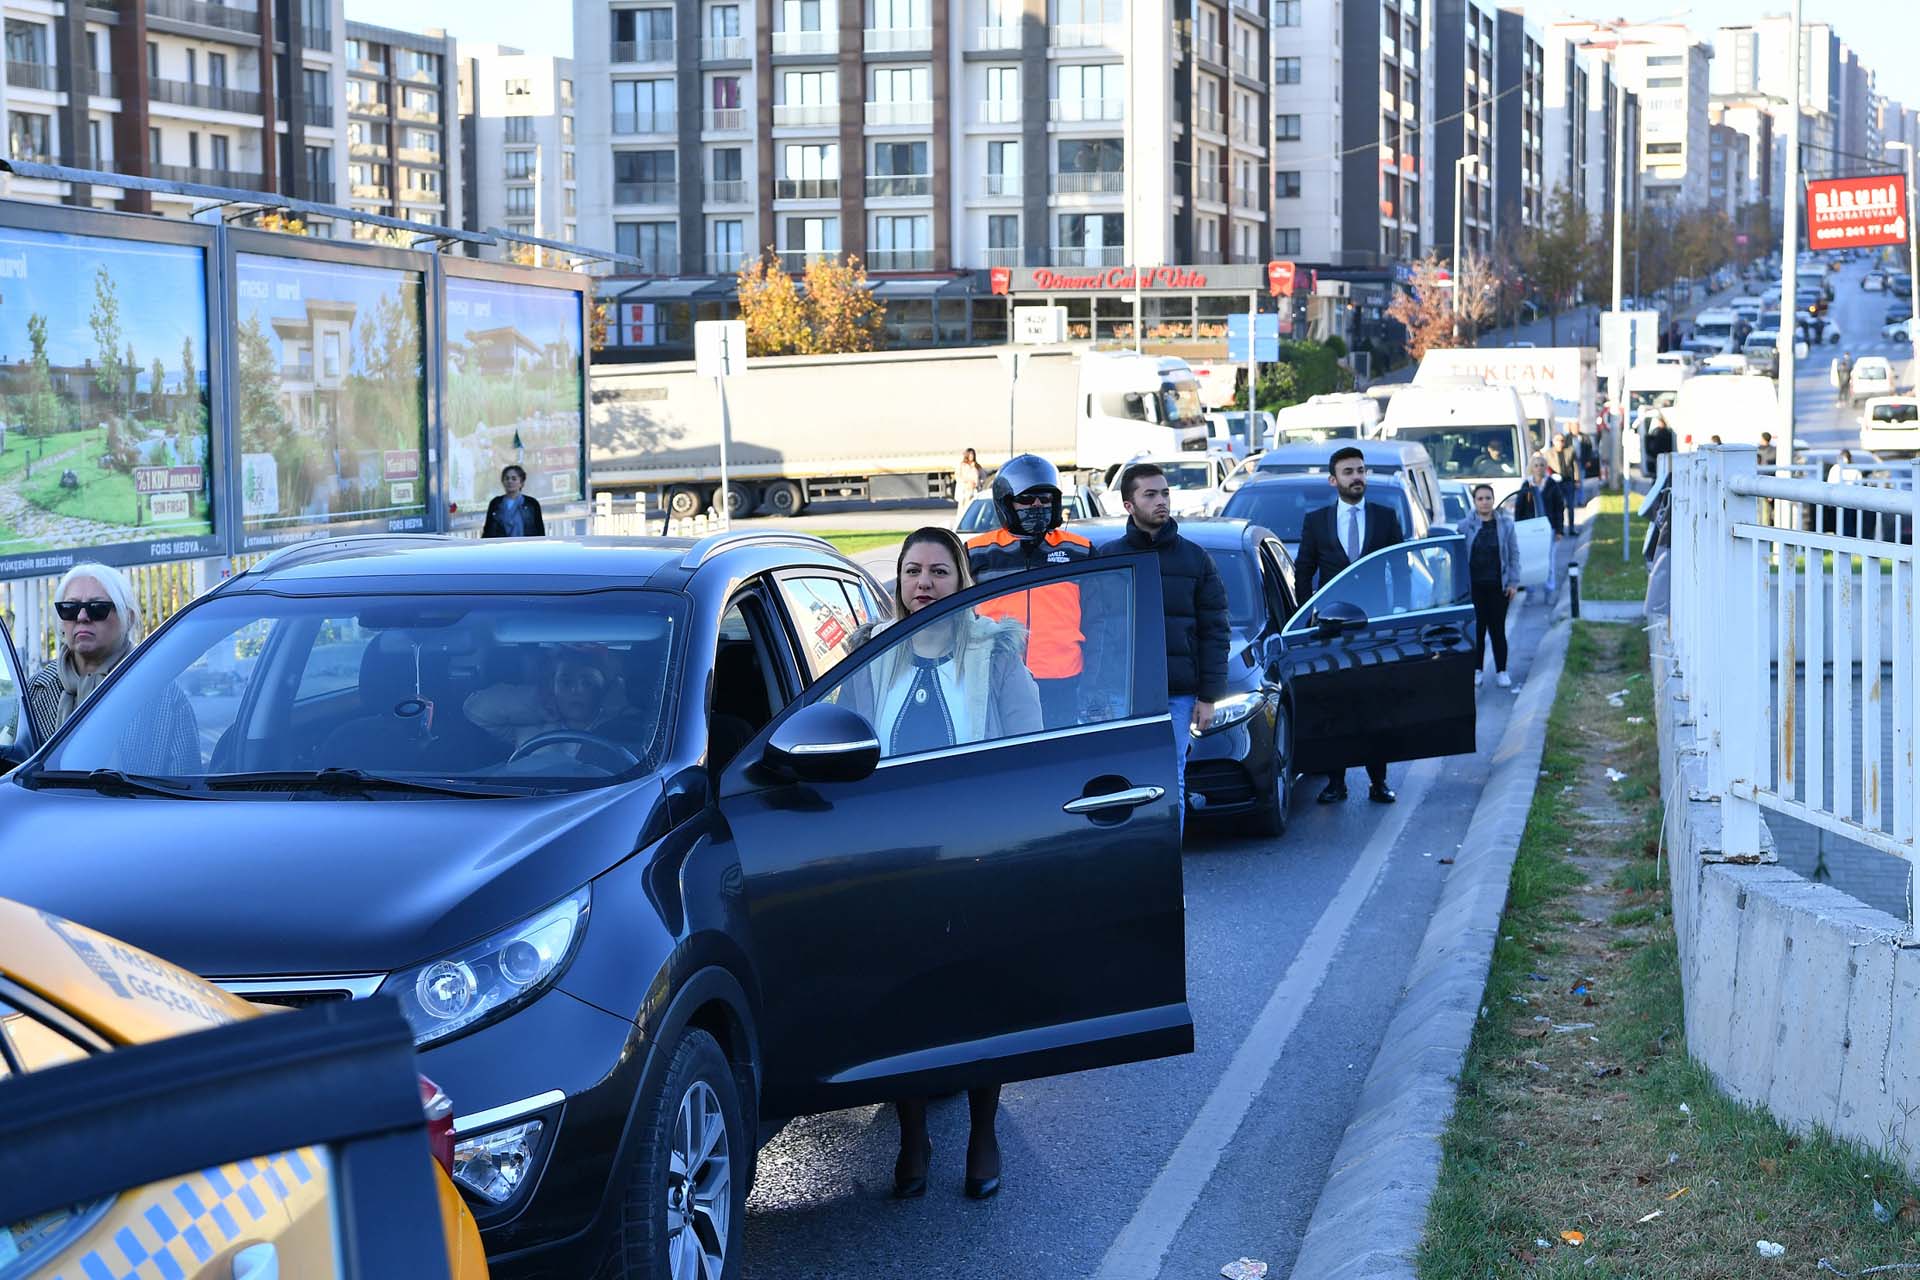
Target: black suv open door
1382,660
18,736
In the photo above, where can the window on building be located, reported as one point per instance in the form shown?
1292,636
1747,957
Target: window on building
1286,70
646,176
724,164
726,243
566,93
1286,13
425,181
725,93
566,128
811,235
1003,95
902,84
723,21
217,70
319,168
1092,82
1003,234
810,162
1665,82
655,243
1092,231
1286,240
30,136
1672,59
809,88
219,152
193,66
367,133
426,141
1665,148
153,60
193,151
899,237
423,101
154,150
419,62
519,202
1089,155
520,164
95,141
1286,128
650,31
1286,184
318,85
900,159
519,129
27,42
642,106
1085,13
566,166
1003,168
519,87
800,15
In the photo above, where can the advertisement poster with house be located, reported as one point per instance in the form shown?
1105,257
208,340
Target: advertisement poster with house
514,393
330,385
104,422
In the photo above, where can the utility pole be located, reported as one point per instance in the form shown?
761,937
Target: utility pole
1790,248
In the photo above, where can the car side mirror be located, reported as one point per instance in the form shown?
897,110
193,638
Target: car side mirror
823,743
1337,619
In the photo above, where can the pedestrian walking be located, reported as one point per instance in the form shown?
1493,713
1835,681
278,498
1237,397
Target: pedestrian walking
957,681
1766,455
1493,568
966,482
1331,538
1539,498
1193,598
1026,497
1566,465
1659,444
514,513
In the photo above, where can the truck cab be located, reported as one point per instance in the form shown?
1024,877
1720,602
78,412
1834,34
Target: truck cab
1132,405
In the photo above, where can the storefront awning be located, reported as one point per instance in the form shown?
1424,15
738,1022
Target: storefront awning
694,289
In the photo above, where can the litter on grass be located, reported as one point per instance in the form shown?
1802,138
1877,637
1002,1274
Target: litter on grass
1685,1110
1682,1191
1614,775
1244,1269
1573,1237
1636,719
1650,1217
1768,1249
1881,1213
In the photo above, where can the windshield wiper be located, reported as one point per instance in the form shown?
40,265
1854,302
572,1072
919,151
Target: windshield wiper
334,778
111,782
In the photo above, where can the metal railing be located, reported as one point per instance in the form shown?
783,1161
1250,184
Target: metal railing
897,39
1005,256
900,260
993,39
725,264
1210,121
184,93
627,123
724,49
642,51
33,75
1001,184
242,179
101,84
1085,35
207,15
806,41
1793,632
1087,110
1212,50
1099,182
727,191
724,119
886,113
646,193
806,113
794,261
806,188
999,111
893,186
1064,256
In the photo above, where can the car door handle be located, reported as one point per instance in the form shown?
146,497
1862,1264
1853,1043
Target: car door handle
1442,635
1131,798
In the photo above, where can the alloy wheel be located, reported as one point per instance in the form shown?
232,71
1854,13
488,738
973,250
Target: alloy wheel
699,1187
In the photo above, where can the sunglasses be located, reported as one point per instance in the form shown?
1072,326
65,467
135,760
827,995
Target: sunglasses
1026,500
70,610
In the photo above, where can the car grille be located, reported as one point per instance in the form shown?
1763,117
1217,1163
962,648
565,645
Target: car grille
302,993
1222,782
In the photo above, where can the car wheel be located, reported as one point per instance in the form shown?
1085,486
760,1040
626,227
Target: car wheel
684,1208
783,498
683,502
1276,808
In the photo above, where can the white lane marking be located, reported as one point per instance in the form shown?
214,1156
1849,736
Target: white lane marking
1138,1251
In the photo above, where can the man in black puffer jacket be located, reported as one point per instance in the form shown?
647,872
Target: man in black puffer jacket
1195,602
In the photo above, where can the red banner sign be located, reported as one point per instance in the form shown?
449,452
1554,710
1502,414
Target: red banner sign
1853,213
167,479
1120,278
1001,279
1280,279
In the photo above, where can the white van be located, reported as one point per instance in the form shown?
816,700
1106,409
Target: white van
1133,405
1472,431
1735,409
1718,326
1345,416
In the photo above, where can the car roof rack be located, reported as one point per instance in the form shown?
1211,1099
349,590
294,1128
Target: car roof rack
714,543
322,548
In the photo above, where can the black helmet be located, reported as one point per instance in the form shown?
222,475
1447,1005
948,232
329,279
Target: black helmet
1025,474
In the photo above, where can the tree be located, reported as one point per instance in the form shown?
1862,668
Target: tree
157,389
770,305
1424,308
1305,369
189,371
597,318
842,313
1479,285
42,406
104,320
1554,255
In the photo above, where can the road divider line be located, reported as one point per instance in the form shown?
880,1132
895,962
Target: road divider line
1138,1252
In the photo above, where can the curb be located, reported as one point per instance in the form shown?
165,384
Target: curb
1373,1209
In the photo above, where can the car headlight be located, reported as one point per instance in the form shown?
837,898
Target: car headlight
478,983
493,1165
1235,708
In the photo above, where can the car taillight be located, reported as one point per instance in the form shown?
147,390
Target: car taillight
439,1109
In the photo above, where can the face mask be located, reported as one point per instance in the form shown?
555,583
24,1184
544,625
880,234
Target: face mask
1033,521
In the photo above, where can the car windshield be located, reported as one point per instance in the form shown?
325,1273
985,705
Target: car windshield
1283,507
1187,475
506,693
1315,435
1467,453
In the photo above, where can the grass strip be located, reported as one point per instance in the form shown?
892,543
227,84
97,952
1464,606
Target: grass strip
1585,1141
1607,576
854,541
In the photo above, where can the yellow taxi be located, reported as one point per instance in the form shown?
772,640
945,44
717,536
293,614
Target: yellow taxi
67,992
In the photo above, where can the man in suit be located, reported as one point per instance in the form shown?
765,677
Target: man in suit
1332,538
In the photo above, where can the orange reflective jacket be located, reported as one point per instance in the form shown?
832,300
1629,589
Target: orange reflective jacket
1050,613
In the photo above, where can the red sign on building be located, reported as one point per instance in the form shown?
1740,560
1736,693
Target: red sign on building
1280,279
1000,279
1854,213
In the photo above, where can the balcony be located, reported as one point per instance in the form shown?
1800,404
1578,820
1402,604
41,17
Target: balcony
1086,35
1095,256
629,123
900,260
806,189
724,49
318,39
726,264
724,120
642,51
657,263
417,115
296,373
1247,65
1212,51
319,115
899,113
367,107
728,191
1246,198
1210,190
898,39
646,193
806,113
1001,184
32,75
995,39
207,15
1004,256
1248,133
898,186
999,112
320,190
240,179
1207,120
1097,182
415,195
1086,110
101,84
795,261
419,76
417,155
182,93
806,42
369,67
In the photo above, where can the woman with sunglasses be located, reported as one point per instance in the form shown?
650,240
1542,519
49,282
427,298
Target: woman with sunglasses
99,625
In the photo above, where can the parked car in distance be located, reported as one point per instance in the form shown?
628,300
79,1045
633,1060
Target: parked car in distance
1727,362
1901,285
1897,312
1384,458
1873,282
1195,482
1898,330
1680,357
1891,425
1280,503
1456,499
1762,352
68,993
1872,376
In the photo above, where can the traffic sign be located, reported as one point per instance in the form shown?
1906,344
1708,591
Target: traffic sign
1261,332
720,348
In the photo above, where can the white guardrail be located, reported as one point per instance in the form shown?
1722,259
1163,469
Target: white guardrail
1793,628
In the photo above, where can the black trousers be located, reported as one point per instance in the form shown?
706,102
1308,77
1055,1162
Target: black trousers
1490,619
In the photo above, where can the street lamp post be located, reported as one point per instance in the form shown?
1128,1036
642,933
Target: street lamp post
1913,249
1790,247
1459,184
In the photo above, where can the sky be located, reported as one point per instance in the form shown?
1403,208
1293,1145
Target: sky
160,288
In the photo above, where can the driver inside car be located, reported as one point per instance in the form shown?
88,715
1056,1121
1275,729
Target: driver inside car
578,693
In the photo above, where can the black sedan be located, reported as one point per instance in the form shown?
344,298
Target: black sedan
1379,661
614,826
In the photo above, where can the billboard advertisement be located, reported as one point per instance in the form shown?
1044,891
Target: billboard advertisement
514,393
105,431
1856,213
329,399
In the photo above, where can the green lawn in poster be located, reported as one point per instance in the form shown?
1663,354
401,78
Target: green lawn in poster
513,392
104,424
330,396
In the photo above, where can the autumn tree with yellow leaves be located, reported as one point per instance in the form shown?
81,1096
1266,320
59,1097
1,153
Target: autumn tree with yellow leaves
835,313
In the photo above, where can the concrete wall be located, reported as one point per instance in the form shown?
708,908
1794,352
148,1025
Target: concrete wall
1798,997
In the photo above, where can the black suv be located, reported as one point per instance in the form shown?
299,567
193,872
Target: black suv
606,821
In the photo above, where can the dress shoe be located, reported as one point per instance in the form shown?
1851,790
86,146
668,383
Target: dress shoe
983,1188
983,1174
1381,793
1336,793
910,1175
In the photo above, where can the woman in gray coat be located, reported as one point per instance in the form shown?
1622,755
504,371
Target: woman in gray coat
1493,565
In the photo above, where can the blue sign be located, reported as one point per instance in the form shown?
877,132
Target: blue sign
1265,337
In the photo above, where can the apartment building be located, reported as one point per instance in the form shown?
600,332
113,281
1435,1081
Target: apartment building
517,167
250,97
1897,123
403,143
1387,154
1668,73
1567,84
1727,172
1520,124
1753,61
1465,51
1309,70
925,135
1753,119
1857,131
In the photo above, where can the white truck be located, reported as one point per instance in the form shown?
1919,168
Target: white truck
1135,405
1350,415
1735,409
1556,383
1474,430
884,425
